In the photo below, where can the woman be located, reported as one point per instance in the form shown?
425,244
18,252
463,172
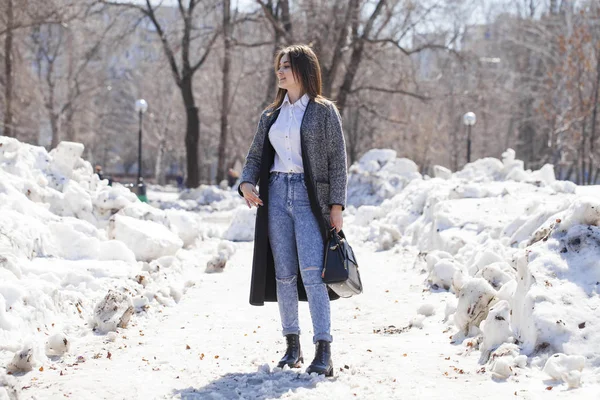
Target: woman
298,156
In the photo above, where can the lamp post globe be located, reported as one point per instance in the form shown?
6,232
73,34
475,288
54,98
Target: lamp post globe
140,107
469,119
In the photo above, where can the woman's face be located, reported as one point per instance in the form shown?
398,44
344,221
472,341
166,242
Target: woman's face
286,78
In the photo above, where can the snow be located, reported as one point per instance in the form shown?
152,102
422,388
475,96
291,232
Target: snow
565,368
475,277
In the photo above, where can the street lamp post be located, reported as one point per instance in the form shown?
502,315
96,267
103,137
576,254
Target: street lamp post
140,107
469,119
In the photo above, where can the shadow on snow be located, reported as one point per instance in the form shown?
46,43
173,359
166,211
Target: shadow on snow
252,386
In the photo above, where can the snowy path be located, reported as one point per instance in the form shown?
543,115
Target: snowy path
213,344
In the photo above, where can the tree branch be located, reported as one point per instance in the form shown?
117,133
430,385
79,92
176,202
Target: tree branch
392,91
149,12
275,23
195,67
381,116
257,44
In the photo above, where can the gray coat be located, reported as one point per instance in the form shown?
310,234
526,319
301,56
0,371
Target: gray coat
324,160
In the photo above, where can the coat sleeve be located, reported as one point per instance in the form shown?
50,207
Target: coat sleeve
336,154
251,169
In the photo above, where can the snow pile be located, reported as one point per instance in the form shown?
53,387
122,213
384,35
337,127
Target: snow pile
242,225
204,194
146,239
114,311
208,198
379,175
558,283
447,214
205,198
8,387
562,367
224,252
77,254
57,345
511,169
23,361
518,248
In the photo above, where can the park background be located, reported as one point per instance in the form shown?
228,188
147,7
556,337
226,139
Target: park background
403,74
481,278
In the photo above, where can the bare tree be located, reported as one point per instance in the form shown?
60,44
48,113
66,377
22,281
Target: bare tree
18,16
183,72
225,102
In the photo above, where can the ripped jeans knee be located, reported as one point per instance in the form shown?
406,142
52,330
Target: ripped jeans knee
288,280
311,276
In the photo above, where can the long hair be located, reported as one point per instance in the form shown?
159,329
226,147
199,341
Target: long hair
306,69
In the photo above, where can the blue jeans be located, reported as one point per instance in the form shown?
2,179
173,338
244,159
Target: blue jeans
297,244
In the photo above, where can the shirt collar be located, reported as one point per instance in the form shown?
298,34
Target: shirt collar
302,102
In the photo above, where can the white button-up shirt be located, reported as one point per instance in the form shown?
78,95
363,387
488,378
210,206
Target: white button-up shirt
285,136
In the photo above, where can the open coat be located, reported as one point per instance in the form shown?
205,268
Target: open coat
324,160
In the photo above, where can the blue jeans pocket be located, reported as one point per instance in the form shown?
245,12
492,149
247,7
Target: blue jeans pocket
272,178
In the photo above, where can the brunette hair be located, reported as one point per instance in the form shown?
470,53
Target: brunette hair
306,69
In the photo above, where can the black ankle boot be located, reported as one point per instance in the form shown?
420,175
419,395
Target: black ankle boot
293,354
322,364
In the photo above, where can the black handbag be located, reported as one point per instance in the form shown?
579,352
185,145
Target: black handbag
340,269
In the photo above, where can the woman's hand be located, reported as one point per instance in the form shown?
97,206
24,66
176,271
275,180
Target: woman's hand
250,195
335,217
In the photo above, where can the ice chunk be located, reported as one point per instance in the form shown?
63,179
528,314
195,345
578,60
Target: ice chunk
566,368
147,240
496,329
114,311
474,300
57,344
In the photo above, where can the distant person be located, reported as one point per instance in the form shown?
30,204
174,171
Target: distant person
298,156
179,180
99,172
232,177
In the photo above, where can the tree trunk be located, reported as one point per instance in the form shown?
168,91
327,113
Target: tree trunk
330,72
192,134
159,176
70,112
594,117
353,135
570,171
54,126
358,47
271,83
8,88
595,180
71,133
285,19
225,95
50,107
582,145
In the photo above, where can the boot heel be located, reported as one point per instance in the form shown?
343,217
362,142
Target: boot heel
329,373
298,364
